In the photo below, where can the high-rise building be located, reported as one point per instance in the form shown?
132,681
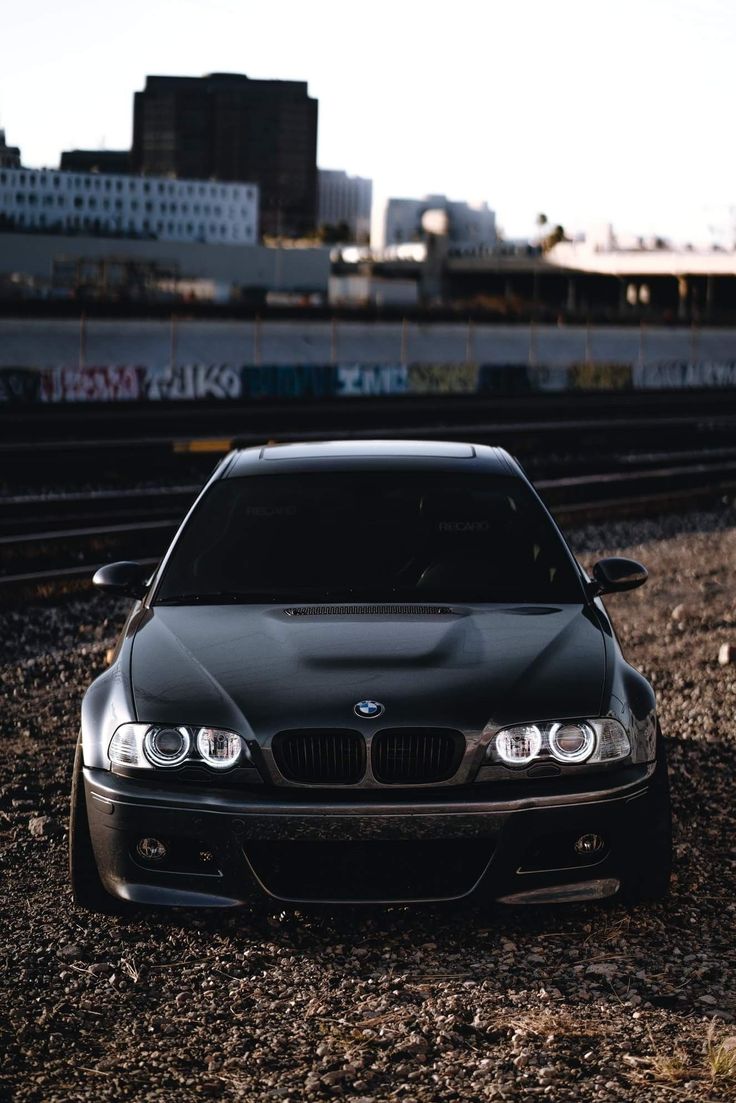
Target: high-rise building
227,127
9,155
96,160
345,200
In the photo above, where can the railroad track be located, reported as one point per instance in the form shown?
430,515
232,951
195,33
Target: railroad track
47,539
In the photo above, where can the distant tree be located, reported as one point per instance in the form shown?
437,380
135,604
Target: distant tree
331,234
554,238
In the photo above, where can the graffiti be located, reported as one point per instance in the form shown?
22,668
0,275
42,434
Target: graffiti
599,377
681,374
226,382
306,381
546,378
188,382
361,379
19,385
91,383
503,379
443,378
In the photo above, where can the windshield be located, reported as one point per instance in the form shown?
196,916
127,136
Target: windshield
370,536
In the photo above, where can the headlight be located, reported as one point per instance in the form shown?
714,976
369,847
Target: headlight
164,746
218,748
519,745
564,741
571,742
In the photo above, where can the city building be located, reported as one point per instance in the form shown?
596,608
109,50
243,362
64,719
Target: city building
466,225
345,201
128,206
9,155
229,128
96,160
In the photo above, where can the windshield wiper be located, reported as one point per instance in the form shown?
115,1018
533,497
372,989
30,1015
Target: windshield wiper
214,598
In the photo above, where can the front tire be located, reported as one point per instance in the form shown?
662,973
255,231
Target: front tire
648,877
87,889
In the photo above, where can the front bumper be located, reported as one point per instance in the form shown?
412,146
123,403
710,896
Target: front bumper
225,849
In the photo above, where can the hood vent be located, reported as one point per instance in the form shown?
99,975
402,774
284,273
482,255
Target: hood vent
370,611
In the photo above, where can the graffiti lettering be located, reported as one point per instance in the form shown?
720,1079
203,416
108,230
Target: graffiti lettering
186,382
19,385
443,378
306,381
681,374
103,383
358,379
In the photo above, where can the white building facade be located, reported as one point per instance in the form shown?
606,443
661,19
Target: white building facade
129,206
466,225
347,199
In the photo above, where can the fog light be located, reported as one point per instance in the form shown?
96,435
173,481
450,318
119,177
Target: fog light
589,844
206,856
153,850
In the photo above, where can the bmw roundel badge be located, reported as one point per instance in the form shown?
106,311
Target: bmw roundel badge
368,709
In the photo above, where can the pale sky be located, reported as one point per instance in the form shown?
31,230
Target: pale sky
589,110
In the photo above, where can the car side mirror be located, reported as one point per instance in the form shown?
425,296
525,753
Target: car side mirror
126,579
616,574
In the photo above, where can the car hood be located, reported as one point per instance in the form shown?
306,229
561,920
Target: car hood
259,670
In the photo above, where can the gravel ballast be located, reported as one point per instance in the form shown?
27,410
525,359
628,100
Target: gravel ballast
584,1003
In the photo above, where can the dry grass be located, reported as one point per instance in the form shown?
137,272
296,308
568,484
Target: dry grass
716,1064
720,1058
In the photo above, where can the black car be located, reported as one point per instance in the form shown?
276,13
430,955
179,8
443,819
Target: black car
369,672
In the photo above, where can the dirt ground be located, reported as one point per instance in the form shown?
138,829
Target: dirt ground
584,1003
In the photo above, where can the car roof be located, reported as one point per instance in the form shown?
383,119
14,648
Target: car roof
347,455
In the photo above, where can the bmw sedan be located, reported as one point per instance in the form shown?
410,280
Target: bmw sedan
368,671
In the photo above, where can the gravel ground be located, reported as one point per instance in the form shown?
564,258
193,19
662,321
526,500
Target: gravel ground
588,1003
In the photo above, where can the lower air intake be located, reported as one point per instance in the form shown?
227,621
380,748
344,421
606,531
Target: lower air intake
373,871
415,756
